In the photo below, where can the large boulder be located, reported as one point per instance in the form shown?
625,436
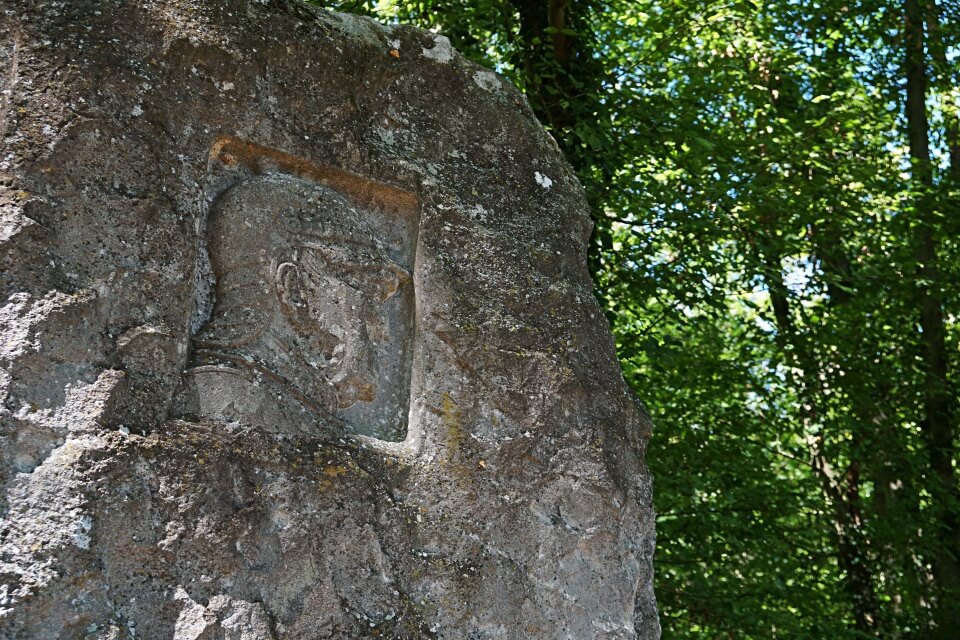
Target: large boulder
298,340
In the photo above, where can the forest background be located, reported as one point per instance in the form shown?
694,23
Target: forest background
776,194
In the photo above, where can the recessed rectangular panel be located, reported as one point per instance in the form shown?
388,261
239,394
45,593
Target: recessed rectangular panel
311,328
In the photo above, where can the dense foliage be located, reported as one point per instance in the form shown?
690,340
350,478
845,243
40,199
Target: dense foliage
776,187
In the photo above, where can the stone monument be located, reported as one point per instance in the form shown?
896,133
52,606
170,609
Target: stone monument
298,340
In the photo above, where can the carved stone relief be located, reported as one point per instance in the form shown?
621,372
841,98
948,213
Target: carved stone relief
312,323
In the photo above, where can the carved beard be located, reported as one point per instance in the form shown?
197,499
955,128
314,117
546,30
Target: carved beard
336,330
322,379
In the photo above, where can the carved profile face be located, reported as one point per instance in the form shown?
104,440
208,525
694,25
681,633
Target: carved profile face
336,295
309,290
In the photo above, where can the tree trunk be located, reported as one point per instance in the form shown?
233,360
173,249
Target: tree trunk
841,492
948,77
938,422
549,71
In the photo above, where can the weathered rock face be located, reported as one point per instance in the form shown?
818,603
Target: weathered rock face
298,340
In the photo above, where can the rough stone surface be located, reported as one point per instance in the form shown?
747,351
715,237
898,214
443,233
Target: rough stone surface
298,341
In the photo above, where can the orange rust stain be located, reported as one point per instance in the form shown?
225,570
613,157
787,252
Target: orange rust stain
233,151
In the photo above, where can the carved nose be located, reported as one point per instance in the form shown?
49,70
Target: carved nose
393,278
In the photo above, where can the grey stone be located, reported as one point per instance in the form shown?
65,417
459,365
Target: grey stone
298,340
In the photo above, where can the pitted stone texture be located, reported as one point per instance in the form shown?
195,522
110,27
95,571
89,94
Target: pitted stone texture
518,504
